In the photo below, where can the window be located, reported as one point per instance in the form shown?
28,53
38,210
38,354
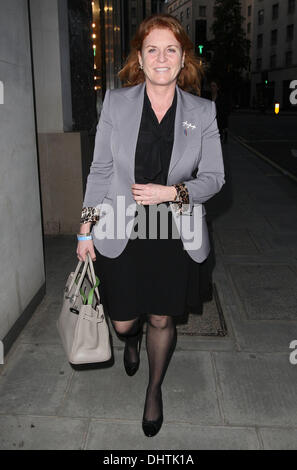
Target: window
181,16
259,64
260,17
288,59
249,10
202,11
273,61
273,39
188,12
260,41
200,32
188,29
290,32
291,6
249,27
275,11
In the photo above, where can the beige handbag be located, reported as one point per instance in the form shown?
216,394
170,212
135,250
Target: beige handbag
82,324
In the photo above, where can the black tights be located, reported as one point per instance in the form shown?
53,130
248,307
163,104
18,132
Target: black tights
161,336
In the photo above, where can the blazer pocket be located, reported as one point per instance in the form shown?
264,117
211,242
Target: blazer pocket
110,193
191,212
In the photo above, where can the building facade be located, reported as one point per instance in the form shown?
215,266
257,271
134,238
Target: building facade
197,18
274,50
271,27
115,23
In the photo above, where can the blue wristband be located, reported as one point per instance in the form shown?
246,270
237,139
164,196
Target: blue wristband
83,238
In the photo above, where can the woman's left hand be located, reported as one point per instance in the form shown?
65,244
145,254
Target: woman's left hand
152,193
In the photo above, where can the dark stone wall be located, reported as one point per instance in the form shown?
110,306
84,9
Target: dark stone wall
82,65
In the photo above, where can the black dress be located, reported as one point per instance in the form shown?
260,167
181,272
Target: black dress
151,276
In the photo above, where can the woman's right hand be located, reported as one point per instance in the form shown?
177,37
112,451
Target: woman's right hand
83,248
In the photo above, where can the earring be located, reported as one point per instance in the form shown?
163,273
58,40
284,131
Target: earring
141,66
183,65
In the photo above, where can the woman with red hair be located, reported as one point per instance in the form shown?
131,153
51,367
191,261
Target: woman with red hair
157,147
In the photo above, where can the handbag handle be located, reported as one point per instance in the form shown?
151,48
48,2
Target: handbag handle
74,276
94,278
77,290
89,269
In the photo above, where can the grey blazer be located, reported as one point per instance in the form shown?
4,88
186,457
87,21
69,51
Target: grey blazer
196,160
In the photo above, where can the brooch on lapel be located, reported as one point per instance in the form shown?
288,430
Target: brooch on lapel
187,126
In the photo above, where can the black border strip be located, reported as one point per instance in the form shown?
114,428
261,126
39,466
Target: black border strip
23,319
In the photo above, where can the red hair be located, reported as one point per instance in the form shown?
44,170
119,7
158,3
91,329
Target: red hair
190,76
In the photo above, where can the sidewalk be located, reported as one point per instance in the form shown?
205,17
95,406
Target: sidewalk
233,392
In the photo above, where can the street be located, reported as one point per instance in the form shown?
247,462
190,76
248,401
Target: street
274,136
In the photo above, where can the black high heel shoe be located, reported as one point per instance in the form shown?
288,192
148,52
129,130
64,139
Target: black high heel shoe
152,427
132,367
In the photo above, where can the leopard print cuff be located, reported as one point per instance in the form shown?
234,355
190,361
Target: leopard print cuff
89,214
182,197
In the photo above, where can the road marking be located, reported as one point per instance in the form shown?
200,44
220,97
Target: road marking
263,157
1,93
1,352
239,137
267,140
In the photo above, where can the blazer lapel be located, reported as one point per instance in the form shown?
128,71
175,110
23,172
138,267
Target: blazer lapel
130,113
130,123
183,137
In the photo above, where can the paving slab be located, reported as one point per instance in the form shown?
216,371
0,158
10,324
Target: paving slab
129,435
204,343
268,292
273,258
264,336
241,219
283,222
286,241
42,326
35,380
273,243
279,438
234,392
271,204
189,391
259,187
237,242
42,433
257,388
217,246
224,284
